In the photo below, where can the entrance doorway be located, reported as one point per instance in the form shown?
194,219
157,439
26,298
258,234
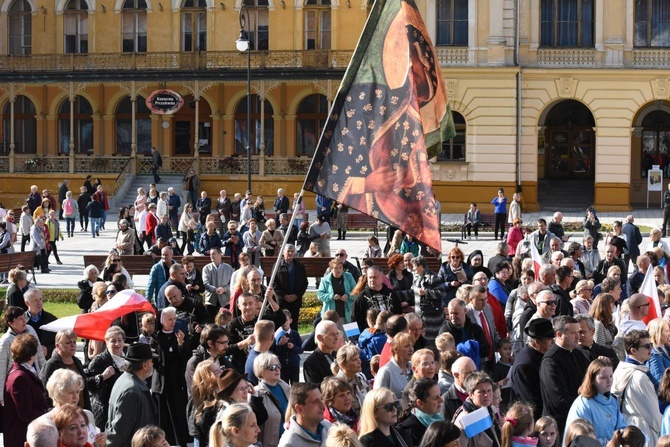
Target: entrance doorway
184,128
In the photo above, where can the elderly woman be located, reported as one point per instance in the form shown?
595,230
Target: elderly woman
427,298
425,401
337,395
23,392
582,297
349,362
169,382
590,257
659,332
335,291
395,374
656,241
271,239
65,388
114,265
252,242
103,371
125,239
424,366
401,280
275,393
85,297
379,417
72,425
16,325
19,281
479,387
453,274
63,357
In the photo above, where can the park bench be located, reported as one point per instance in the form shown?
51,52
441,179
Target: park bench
141,264
485,220
9,261
361,221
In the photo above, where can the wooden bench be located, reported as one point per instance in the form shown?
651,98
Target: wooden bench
485,220
9,261
141,264
362,222
316,267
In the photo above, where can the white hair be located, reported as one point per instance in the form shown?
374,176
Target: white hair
263,361
88,269
42,432
323,327
168,311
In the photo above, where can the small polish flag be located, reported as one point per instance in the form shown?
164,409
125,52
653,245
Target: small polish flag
351,330
476,422
537,259
649,289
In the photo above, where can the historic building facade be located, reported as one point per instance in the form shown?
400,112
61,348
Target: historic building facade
546,93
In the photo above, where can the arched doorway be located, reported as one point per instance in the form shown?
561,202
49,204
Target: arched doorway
184,127
566,156
83,126
25,127
124,126
267,135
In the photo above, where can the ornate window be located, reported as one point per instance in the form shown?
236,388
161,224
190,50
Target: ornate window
317,25
83,126
652,23
25,126
311,117
124,126
452,22
75,19
134,26
241,126
454,149
567,23
258,24
19,37
194,25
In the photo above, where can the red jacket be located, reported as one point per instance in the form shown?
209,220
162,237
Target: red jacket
24,402
498,315
152,223
102,198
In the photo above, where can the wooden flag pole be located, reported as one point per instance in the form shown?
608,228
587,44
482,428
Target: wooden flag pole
280,254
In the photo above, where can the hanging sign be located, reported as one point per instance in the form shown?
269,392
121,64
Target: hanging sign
164,102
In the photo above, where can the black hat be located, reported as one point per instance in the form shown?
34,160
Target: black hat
540,328
138,352
321,217
583,441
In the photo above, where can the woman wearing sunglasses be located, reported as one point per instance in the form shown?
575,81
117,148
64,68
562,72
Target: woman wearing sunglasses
275,393
379,415
453,274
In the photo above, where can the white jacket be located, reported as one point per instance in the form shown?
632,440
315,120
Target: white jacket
640,403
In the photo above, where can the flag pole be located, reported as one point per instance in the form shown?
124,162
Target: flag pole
281,253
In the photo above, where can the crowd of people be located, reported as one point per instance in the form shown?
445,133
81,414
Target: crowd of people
481,353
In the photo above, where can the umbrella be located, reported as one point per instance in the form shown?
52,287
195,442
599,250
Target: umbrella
94,325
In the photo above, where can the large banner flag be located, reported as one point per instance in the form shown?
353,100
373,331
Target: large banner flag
389,117
649,289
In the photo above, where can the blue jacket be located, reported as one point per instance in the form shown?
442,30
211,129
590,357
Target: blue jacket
603,413
288,358
446,276
325,294
371,344
665,423
500,205
175,202
208,242
156,280
657,364
325,202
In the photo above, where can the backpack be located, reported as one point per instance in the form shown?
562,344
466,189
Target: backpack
68,207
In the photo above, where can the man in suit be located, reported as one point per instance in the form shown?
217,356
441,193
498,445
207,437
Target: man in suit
290,284
317,365
281,202
480,313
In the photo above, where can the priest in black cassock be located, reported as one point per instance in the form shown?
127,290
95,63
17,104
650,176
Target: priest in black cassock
562,371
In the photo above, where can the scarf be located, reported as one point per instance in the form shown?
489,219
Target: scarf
461,276
350,418
519,441
426,419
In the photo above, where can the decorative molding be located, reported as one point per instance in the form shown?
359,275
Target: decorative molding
566,87
197,88
452,85
660,88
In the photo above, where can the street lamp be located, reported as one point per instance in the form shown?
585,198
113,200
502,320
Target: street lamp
244,46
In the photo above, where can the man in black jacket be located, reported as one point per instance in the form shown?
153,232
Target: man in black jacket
525,373
460,326
592,350
317,365
375,295
281,202
454,397
290,284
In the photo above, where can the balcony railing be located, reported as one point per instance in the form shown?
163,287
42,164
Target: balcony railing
176,61
566,57
651,58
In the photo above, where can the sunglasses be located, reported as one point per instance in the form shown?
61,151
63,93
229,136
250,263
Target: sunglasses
548,303
648,346
390,407
110,292
274,367
455,257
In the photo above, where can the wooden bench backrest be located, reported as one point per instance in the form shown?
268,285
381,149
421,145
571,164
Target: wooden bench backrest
141,264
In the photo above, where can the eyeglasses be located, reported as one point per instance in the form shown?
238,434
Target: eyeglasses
110,292
428,364
340,254
548,303
455,257
274,367
647,346
643,305
391,406
222,342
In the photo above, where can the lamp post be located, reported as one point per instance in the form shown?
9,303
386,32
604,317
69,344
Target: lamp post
244,45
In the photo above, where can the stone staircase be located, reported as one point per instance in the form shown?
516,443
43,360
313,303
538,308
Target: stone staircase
143,181
565,195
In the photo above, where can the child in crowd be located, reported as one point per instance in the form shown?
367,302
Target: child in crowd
546,430
410,245
496,399
445,377
518,426
224,317
663,441
374,368
373,250
501,369
372,340
578,427
288,347
148,329
630,436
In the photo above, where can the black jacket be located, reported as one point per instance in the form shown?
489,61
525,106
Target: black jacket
450,403
55,363
101,389
293,233
385,299
597,350
317,367
469,331
561,375
378,439
15,297
282,284
525,378
563,305
413,430
47,338
281,205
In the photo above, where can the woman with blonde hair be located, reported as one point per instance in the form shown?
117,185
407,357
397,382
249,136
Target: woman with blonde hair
582,297
150,436
659,333
340,435
271,239
379,415
236,428
394,375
